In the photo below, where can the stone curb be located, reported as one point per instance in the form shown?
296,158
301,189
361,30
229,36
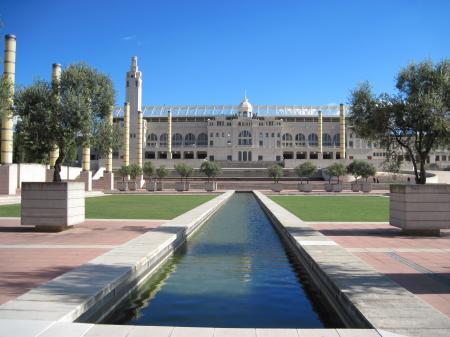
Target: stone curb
362,297
89,292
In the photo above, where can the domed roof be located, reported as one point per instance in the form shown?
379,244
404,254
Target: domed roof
245,105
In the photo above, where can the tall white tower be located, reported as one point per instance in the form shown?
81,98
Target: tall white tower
133,95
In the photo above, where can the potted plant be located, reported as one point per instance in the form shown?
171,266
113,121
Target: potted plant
161,173
305,170
367,170
149,171
124,172
135,171
184,171
67,113
211,170
336,170
276,172
354,168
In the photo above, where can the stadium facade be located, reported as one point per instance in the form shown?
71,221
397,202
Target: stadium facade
238,133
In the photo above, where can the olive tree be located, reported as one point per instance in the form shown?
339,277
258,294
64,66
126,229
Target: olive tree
184,170
69,113
124,171
161,172
416,119
210,169
149,170
336,170
275,172
305,170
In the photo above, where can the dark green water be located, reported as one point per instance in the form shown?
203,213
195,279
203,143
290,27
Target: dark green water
233,273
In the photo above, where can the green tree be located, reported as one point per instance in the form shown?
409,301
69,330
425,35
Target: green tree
149,170
184,171
305,170
275,172
135,171
367,170
416,120
69,113
210,169
124,171
354,168
336,170
162,172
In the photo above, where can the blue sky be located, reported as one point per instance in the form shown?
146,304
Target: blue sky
209,51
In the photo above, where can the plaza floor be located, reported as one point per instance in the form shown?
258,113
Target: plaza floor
30,258
419,264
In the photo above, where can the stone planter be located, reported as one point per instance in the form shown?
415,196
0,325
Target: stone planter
52,206
151,186
122,185
187,186
210,186
276,187
132,185
366,187
304,187
179,186
329,187
159,186
337,187
355,187
420,209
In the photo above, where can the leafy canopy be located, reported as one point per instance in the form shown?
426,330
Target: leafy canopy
415,120
210,169
275,172
305,170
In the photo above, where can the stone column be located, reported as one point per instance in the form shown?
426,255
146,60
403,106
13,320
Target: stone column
169,135
320,134
8,172
86,173
139,129
126,134
54,153
108,176
342,130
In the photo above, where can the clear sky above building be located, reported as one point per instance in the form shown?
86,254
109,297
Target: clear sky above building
209,51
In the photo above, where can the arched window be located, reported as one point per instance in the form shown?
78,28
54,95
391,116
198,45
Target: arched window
152,140
300,139
245,138
313,140
163,140
326,139
177,140
286,140
202,139
337,139
189,140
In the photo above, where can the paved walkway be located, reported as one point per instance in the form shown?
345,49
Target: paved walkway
419,264
29,258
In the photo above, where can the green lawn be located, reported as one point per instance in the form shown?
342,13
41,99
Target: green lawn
131,206
336,208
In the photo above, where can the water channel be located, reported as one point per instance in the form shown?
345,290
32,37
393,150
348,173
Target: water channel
234,272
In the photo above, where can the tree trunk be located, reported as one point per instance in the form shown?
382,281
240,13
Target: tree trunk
422,177
56,172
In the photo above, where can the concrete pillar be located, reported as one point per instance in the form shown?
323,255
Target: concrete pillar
320,132
342,130
126,134
86,177
8,171
169,135
56,77
108,175
86,162
9,73
139,139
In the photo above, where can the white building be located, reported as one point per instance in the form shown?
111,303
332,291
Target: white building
242,133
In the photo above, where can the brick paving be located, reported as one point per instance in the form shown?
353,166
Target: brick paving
419,264
29,258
